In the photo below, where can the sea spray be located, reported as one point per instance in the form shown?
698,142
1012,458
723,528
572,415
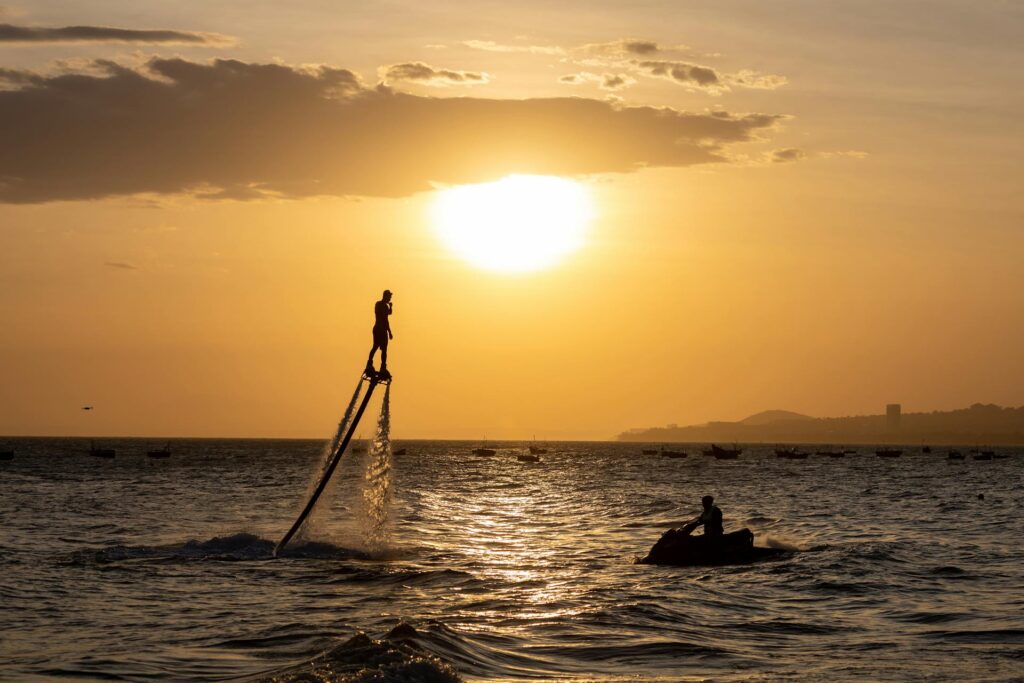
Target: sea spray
312,526
377,481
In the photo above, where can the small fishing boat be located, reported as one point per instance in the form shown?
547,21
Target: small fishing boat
955,455
850,451
527,457
985,455
6,455
790,454
888,453
484,451
673,454
926,449
100,452
720,453
649,451
164,452
538,451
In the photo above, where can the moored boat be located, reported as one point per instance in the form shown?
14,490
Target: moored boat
484,451
527,457
888,453
720,453
538,451
649,451
673,454
100,452
164,452
6,455
955,455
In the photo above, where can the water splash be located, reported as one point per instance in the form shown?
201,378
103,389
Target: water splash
313,525
377,481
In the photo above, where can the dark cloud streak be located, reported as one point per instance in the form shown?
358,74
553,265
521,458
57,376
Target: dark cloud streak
10,33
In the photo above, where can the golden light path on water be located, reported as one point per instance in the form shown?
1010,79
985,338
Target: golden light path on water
516,224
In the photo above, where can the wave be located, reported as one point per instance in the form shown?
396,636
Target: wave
233,548
397,657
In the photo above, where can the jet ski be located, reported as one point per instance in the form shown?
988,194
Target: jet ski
678,548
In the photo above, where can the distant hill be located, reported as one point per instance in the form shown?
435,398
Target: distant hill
981,424
768,416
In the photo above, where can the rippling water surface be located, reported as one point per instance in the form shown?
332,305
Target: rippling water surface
143,569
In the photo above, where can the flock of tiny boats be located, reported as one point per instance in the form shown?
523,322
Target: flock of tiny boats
103,452
794,453
533,456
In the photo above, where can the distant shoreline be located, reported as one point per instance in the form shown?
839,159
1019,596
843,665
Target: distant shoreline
980,424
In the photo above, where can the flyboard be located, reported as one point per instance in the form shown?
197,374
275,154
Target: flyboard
373,379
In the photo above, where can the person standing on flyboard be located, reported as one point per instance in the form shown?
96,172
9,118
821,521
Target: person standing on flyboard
381,336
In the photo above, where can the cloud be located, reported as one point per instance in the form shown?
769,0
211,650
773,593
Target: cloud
119,265
706,78
228,128
607,81
624,46
692,75
491,46
759,81
10,33
428,75
781,156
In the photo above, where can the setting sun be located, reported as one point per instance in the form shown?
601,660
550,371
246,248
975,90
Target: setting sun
518,223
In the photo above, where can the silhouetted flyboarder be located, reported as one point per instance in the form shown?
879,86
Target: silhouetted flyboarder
381,336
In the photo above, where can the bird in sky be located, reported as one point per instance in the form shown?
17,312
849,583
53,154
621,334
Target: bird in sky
86,407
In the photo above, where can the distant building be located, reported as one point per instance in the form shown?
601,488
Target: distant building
892,416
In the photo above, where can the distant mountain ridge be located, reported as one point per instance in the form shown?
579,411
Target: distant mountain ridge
978,424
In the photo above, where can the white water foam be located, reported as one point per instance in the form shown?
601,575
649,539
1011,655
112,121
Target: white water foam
377,481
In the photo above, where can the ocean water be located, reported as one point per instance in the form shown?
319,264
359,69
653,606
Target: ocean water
490,569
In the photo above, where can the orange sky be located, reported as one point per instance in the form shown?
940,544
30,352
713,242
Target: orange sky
830,223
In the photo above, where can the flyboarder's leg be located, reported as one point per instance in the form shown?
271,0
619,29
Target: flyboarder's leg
369,361
384,359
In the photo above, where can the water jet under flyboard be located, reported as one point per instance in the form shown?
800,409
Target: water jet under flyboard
348,426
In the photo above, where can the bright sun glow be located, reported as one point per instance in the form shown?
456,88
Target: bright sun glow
518,223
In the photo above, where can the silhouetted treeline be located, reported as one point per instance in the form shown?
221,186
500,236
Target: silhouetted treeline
979,424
